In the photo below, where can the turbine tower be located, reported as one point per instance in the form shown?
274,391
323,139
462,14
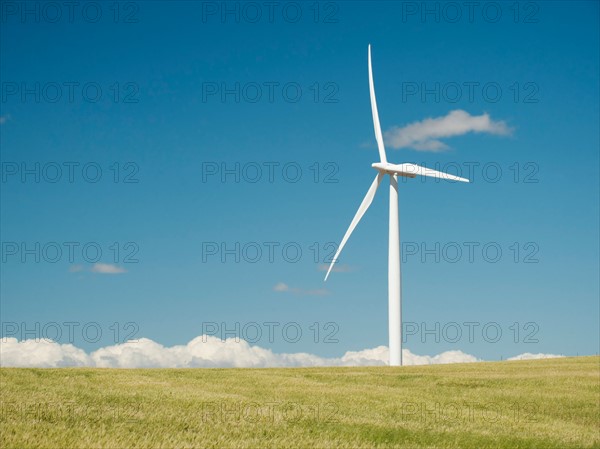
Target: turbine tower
383,168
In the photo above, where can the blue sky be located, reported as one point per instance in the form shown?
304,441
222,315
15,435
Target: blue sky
159,121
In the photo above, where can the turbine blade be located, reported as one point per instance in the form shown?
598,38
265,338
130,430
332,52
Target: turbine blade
366,202
414,169
378,135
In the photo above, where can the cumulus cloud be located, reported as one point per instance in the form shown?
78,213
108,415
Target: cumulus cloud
283,287
425,135
530,356
203,352
41,354
107,268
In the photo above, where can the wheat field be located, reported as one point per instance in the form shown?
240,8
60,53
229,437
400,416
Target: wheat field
552,403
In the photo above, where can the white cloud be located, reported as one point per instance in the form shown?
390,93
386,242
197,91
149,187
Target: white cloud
98,268
41,354
283,287
107,268
443,358
425,135
368,357
530,356
203,352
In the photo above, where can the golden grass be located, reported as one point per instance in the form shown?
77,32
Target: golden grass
552,403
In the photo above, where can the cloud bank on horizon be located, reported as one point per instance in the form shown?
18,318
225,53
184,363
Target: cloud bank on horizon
204,352
424,135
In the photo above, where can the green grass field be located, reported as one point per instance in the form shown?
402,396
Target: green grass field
552,403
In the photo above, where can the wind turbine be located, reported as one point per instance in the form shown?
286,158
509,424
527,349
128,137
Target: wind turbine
383,168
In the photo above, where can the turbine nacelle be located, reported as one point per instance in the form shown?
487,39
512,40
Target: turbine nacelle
412,170
393,169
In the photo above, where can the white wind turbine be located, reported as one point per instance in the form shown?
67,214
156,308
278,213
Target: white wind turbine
393,170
